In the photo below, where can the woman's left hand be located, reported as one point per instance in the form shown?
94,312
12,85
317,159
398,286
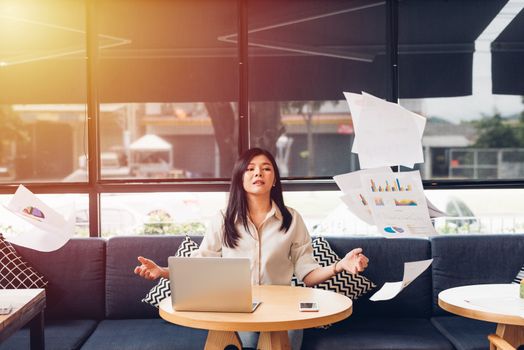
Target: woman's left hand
354,262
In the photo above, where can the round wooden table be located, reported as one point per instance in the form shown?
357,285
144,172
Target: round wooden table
499,303
277,314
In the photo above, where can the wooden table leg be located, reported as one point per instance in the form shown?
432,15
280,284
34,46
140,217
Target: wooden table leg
36,332
273,341
511,333
218,340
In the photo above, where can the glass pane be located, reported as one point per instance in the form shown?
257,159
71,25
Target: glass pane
468,211
42,84
453,69
302,56
487,158
326,215
487,174
168,87
65,204
178,213
472,211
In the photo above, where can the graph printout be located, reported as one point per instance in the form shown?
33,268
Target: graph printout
352,181
358,205
398,204
354,195
48,230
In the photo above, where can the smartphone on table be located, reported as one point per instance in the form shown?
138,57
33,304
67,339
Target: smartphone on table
308,306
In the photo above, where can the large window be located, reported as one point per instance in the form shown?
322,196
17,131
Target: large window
168,88
43,89
459,67
128,103
302,56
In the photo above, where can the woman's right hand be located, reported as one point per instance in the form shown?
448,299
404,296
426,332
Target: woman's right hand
149,269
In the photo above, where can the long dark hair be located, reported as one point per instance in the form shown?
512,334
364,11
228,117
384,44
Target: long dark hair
237,204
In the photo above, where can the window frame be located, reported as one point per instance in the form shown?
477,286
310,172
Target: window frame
96,186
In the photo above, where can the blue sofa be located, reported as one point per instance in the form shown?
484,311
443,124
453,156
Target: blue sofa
93,297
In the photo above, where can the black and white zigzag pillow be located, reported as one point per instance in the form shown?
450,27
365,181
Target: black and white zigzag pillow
352,286
520,276
162,289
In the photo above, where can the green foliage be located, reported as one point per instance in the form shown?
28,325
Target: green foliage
12,125
11,130
188,228
83,231
160,223
303,107
495,133
451,228
6,229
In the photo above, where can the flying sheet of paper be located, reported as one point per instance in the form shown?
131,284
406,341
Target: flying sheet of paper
398,204
412,270
398,139
355,102
434,212
387,136
50,230
351,181
358,206
354,198
420,121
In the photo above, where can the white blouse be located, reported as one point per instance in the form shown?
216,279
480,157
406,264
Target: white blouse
274,254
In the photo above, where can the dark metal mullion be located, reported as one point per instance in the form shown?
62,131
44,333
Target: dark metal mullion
289,184
92,120
392,48
243,102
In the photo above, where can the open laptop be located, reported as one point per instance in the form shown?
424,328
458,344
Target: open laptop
211,284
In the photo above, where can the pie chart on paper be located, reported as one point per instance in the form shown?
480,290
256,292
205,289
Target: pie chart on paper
393,229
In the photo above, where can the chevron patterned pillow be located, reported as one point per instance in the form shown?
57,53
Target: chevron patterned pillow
352,286
162,289
520,276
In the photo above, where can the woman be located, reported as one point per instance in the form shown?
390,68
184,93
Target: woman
258,225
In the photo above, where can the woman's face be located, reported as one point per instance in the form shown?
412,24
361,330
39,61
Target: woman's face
259,176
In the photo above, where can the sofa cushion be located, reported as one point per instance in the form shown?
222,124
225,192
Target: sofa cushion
465,333
122,253
386,264
348,284
15,272
376,334
58,335
474,259
144,334
76,278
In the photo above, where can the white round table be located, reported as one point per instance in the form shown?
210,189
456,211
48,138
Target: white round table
499,303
